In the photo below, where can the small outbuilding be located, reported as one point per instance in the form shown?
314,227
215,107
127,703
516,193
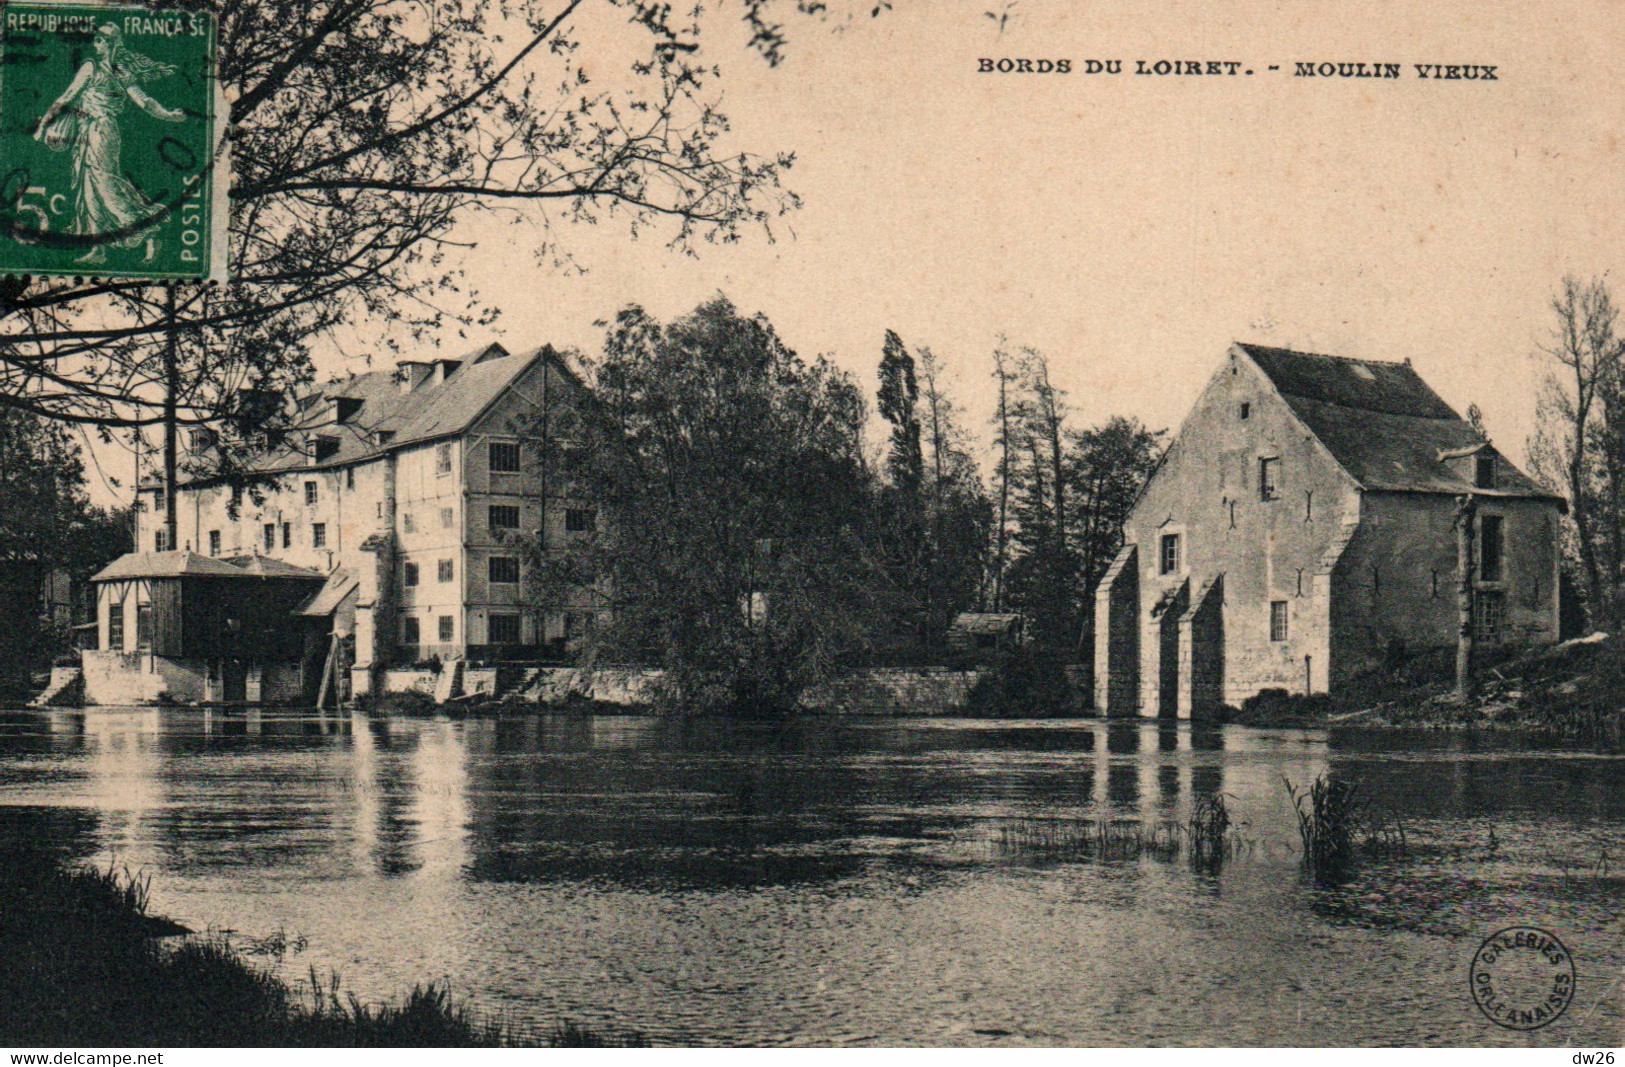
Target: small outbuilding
181,627
985,630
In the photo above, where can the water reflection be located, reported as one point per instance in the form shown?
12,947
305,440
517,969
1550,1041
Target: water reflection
560,865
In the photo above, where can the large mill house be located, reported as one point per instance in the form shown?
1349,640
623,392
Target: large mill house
1301,528
393,530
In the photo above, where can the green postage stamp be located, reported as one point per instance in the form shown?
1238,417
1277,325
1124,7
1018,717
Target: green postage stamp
109,142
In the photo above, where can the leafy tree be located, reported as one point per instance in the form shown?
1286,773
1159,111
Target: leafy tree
1043,574
1107,467
731,474
897,398
1579,443
362,133
1071,491
932,517
47,525
960,514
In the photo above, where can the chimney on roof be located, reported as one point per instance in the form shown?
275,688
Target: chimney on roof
412,373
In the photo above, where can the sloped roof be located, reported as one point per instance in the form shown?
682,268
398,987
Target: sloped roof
266,567
430,411
1383,424
183,563
984,622
340,584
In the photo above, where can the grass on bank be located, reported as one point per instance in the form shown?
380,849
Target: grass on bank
86,964
1572,692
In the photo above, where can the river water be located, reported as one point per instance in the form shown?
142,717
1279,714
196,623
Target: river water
848,882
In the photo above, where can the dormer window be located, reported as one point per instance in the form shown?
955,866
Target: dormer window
1484,471
326,447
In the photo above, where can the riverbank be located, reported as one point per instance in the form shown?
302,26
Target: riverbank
1573,691
87,965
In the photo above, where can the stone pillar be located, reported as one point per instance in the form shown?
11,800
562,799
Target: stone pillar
1163,669
1201,653
1117,637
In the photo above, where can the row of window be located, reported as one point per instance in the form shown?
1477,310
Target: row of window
1491,551
1489,616
506,517
115,627
501,630
502,517
318,537
499,570
504,459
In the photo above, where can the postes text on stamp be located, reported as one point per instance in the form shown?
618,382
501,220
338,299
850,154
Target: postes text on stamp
107,140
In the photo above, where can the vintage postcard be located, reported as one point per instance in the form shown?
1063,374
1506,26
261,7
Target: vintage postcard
985,523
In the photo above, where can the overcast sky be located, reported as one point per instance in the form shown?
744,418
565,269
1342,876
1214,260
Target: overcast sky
1131,226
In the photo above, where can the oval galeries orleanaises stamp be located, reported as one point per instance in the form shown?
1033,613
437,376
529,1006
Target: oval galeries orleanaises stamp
1522,977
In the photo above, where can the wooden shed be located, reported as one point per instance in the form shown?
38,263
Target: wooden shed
973,630
186,606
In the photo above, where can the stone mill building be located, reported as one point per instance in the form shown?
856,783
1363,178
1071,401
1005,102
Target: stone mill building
1301,528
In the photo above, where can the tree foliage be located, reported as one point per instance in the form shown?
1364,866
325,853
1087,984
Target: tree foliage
897,399
931,514
731,475
46,525
1070,492
363,132
1579,443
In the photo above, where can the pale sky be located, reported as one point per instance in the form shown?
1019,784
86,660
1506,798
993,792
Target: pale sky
1131,227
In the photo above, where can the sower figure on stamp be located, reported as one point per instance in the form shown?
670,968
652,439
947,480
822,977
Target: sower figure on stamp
85,119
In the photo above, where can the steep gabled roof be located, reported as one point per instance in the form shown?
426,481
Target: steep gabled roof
1383,424
388,418
1364,384
454,405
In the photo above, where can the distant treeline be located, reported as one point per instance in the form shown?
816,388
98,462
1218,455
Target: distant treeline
755,545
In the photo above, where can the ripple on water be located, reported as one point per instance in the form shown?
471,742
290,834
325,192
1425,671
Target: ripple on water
846,883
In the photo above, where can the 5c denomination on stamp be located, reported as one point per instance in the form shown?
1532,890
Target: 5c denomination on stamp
108,136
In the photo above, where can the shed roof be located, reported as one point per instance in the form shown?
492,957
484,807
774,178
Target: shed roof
188,564
1383,424
340,584
183,563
